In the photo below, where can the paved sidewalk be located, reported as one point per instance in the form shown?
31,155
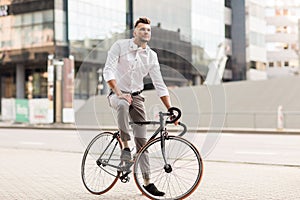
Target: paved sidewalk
39,174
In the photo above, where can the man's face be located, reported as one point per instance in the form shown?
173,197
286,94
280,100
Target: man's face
142,32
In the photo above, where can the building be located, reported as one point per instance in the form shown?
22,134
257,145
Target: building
245,33
34,31
282,37
256,53
199,22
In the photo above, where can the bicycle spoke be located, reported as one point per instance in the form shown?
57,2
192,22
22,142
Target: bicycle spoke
100,179
184,161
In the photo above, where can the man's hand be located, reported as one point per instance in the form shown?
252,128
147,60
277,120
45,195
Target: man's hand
113,85
127,97
176,122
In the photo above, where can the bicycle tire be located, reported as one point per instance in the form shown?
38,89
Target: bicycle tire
100,179
185,161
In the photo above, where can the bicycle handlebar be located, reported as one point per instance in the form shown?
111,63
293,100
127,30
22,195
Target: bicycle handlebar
175,114
184,129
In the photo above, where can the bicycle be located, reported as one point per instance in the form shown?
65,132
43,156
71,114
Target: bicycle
175,164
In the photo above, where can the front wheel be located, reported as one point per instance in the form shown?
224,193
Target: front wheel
97,176
179,177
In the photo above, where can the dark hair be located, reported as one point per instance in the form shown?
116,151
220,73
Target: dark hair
143,20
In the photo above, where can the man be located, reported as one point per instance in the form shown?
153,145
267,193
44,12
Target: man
128,62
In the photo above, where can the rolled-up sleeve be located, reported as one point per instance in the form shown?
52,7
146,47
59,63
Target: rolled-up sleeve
157,79
111,62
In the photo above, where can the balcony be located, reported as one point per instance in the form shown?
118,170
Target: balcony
282,37
281,20
282,55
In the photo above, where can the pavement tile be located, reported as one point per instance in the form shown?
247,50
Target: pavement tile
39,174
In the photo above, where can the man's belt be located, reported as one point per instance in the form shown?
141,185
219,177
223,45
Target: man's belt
136,93
132,94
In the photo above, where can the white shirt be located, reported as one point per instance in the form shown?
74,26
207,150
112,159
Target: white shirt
128,64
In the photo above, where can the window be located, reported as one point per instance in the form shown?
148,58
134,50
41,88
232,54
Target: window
228,63
278,63
228,3
277,12
271,64
37,17
286,63
252,65
48,16
27,19
269,12
227,31
294,46
257,39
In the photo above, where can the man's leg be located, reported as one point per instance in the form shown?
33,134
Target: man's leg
144,165
137,113
123,123
122,108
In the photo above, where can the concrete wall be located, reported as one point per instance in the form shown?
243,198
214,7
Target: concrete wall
245,104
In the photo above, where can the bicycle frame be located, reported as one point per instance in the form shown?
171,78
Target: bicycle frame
161,129
106,161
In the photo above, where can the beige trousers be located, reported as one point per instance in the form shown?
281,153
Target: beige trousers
136,113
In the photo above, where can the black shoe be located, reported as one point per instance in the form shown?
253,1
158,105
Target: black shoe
153,190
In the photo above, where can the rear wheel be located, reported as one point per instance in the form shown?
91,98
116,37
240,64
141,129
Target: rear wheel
97,177
179,177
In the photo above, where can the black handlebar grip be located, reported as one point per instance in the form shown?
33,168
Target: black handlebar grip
174,116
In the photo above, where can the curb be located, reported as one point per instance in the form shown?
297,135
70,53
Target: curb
61,126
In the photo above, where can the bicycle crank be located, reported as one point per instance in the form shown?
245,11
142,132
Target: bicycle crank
125,178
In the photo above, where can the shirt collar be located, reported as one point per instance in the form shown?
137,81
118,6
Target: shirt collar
134,46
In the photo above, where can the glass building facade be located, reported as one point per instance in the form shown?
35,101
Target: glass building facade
26,38
185,35
208,25
95,20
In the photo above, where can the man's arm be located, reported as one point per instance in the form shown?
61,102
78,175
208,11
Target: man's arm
113,86
110,69
166,101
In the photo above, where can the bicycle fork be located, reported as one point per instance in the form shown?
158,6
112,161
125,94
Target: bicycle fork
167,166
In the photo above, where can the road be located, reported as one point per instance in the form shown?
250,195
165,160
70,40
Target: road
245,148
45,164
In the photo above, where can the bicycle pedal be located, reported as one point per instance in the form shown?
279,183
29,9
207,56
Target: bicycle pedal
125,178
